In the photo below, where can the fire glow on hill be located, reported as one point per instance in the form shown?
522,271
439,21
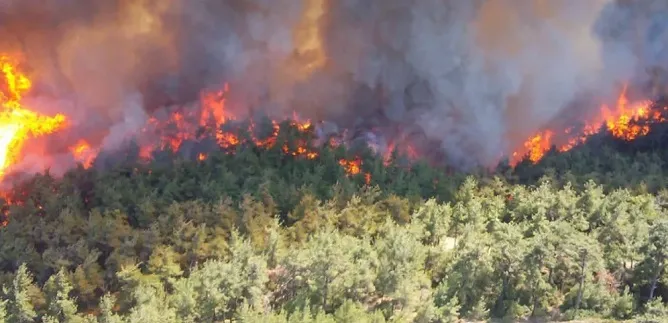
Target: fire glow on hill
19,125
464,83
625,120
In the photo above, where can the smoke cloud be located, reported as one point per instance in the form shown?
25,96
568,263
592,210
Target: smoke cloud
477,77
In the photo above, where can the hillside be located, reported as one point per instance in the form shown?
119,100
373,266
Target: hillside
259,235
333,161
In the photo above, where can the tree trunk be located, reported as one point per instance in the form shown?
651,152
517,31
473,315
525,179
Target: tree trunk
325,294
534,291
502,294
534,305
583,266
655,278
654,281
652,288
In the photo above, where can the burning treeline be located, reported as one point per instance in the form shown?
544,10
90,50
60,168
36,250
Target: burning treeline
206,121
480,80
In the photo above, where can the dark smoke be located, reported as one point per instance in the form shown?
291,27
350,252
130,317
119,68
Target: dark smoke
477,76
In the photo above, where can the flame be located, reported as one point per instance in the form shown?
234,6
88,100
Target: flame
302,148
213,107
83,153
307,36
212,116
354,167
626,121
18,124
537,145
401,145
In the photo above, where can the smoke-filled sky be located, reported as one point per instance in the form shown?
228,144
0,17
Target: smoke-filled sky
476,76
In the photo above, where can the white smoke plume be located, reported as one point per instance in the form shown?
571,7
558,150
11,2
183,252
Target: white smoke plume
476,76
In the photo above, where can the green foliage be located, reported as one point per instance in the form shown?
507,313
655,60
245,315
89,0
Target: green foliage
3,311
20,297
107,313
623,307
60,307
260,236
655,312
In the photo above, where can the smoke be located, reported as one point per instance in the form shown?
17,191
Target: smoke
477,77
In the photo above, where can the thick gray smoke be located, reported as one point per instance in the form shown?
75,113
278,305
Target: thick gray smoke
476,76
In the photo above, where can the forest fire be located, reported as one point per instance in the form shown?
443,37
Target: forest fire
209,119
626,120
18,124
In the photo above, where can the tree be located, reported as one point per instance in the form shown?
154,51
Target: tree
60,307
537,285
433,220
3,310
351,312
217,289
508,250
579,257
470,276
107,315
472,210
21,295
401,281
151,305
330,269
655,312
655,252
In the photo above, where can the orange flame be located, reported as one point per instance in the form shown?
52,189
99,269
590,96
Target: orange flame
354,167
212,115
17,124
83,153
626,121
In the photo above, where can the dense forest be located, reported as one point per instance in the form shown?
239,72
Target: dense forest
257,235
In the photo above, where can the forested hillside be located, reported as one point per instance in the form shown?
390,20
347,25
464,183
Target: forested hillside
260,236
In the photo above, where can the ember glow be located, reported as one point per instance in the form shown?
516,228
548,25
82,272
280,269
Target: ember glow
625,120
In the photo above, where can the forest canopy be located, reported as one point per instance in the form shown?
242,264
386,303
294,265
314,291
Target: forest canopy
261,236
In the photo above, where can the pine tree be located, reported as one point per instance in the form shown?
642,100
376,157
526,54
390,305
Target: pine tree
107,315
655,251
59,304
3,310
401,281
20,308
